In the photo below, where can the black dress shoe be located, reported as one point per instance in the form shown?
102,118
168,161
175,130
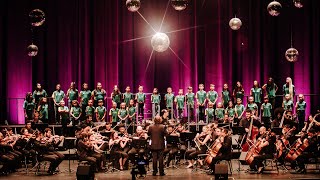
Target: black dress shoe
154,174
162,174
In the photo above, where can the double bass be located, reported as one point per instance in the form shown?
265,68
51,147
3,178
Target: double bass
297,149
213,150
253,132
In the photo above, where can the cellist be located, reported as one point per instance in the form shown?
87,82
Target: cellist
224,152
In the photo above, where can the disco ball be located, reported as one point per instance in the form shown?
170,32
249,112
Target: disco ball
179,5
292,54
32,50
235,23
37,17
133,5
160,42
274,8
298,3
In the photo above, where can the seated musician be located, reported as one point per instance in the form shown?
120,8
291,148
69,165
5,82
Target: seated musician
122,130
201,147
36,119
226,118
183,144
57,141
171,149
116,146
29,127
47,153
245,122
224,152
290,119
310,152
311,123
88,121
11,140
108,127
165,116
277,120
86,152
140,134
8,160
267,149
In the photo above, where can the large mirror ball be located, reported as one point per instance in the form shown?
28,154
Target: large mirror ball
37,17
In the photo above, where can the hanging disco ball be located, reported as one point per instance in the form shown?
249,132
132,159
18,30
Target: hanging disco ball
32,50
133,5
37,17
235,23
298,3
292,54
274,8
160,42
179,5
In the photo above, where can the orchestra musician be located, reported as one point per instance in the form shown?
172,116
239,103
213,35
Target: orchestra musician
108,127
116,147
224,153
201,143
10,162
57,141
171,149
246,121
140,134
183,144
29,127
311,123
88,121
277,120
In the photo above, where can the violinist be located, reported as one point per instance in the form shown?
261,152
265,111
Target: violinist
29,127
8,160
116,144
266,148
108,127
224,153
311,124
8,143
183,144
171,149
88,121
36,119
277,120
140,134
55,140
201,146
290,119
122,131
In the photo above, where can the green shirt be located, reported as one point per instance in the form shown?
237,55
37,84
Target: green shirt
44,111
127,97
210,113
266,109
155,98
252,107
219,113
287,105
76,111
85,97
114,114
231,111
101,111
99,94
239,94
37,95
58,96
90,110
132,110
212,96
225,96
201,96
141,97
239,109
29,106
73,94
285,89
180,101
169,100
116,98
301,105
64,115
256,93
190,99
271,91
123,113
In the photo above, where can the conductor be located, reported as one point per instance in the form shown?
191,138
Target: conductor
157,132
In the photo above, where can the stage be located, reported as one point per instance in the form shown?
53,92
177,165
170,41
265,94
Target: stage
181,173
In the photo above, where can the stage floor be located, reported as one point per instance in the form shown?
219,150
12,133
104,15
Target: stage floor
177,174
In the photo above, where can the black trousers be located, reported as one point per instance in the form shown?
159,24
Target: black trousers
157,156
141,109
301,118
172,151
218,158
133,151
201,112
258,161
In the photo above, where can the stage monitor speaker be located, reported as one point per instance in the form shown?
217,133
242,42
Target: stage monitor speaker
85,172
221,171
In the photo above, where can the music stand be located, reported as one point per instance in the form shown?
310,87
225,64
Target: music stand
173,140
69,143
188,137
41,127
239,131
223,125
277,130
139,143
106,134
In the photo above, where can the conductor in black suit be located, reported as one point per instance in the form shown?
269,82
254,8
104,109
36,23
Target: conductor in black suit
157,132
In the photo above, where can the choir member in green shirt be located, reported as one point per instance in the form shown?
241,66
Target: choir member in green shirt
90,110
116,96
212,95
301,106
266,109
57,96
287,103
101,112
219,112
72,93
43,110
29,106
252,106
127,96
201,97
98,94
230,110
225,94
271,89
63,111
140,98
123,113
288,88
75,113
39,93
209,113
131,112
113,114
239,111
190,103
85,96
155,101
179,100
169,98
238,91
256,92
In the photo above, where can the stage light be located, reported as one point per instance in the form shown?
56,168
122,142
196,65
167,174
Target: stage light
133,5
179,5
274,8
32,50
160,42
37,17
235,23
298,3
292,54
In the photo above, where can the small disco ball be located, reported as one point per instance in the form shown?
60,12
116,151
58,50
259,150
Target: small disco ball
274,8
179,5
292,54
298,3
160,42
235,23
37,17
133,5
32,50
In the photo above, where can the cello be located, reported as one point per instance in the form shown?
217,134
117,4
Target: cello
213,150
282,143
253,132
297,148
255,150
